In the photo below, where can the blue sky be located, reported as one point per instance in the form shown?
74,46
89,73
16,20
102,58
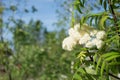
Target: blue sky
46,11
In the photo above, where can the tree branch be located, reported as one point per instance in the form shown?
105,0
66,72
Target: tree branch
114,16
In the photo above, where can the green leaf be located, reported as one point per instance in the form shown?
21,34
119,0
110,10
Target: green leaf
96,20
114,63
102,68
90,71
1,9
112,57
112,38
107,68
78,8
95,57
110,54
91,20
81,4
72,20
98,64
101,2
105,5
76,77
102,21
82,20
81,70
83,1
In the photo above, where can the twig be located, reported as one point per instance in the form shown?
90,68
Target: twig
114,17
112,11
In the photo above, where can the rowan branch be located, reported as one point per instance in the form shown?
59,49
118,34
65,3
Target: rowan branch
110,74
91,58
114,16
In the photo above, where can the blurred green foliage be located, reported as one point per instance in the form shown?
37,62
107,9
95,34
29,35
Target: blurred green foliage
33,53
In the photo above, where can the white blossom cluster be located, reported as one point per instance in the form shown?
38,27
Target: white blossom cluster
85,36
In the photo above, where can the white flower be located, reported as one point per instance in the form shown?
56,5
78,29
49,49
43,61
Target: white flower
87,58
95,40
119,75
100,35
89,44
63,76
91,66
93,33
75,34
99,44
84,39
77,27
68,43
